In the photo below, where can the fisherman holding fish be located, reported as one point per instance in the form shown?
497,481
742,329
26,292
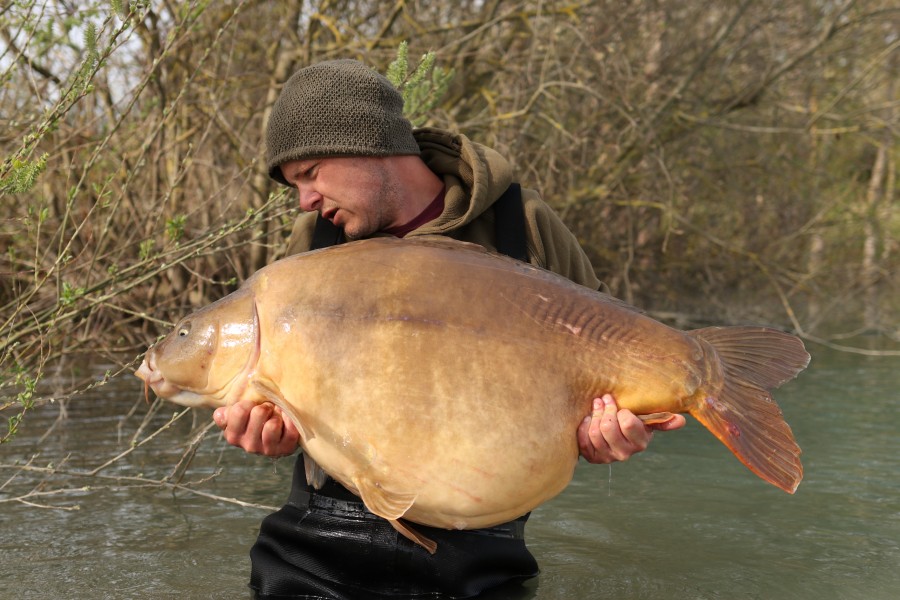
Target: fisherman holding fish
338,135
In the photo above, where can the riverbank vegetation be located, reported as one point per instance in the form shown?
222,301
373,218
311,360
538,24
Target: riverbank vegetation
728,162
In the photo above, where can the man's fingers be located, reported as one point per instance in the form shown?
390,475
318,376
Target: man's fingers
220,416
252,437
279,436
235,422
591,444
243,423
257,428
606,425
592,441
609,434
272,434
636,435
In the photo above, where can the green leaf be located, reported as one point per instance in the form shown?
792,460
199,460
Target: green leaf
421,92
175,227
23,175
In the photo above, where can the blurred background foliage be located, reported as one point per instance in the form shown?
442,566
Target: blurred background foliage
719,161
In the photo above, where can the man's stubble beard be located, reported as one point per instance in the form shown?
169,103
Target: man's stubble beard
386,204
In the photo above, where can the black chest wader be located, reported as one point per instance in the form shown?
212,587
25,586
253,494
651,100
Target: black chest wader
325,544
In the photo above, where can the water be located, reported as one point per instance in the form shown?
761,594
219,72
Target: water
683,520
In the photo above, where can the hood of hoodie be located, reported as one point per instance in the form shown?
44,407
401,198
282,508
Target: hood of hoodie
474,176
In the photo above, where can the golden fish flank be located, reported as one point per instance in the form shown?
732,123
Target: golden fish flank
444,384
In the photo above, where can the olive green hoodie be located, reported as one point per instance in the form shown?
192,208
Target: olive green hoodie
474,178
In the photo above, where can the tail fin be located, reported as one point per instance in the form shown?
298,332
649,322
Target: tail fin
743,415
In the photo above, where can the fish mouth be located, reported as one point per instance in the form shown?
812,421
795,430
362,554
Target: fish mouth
189,388
147,371
154,380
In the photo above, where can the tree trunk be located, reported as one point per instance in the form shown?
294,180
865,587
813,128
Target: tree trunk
871,230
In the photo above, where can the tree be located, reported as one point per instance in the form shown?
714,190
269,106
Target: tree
732,159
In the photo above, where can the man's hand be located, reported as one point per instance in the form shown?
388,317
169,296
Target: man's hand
257,428
608,434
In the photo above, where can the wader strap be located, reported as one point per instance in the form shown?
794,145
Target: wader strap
326,234
509,223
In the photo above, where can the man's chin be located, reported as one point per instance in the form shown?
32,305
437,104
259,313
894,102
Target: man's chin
353,233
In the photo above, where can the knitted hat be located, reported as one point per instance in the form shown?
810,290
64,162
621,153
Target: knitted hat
336,108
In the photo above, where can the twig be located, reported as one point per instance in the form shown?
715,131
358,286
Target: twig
14,475
135,446
138,482
181,468
47,506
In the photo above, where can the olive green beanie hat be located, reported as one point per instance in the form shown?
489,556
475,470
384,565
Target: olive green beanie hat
336,108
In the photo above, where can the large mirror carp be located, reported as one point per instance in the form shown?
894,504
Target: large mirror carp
444,384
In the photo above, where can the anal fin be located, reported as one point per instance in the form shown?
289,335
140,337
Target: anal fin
656,418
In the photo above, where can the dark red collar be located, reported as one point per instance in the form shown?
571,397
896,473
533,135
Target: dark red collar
431,212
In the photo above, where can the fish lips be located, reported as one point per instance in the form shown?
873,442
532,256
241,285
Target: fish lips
154,379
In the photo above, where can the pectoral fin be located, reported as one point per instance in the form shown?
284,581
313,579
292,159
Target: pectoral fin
391,506
315,475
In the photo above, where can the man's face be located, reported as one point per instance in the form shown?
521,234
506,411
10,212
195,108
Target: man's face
355,193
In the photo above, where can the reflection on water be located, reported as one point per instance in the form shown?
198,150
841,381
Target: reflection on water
683,520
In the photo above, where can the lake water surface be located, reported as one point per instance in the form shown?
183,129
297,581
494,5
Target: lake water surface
683,520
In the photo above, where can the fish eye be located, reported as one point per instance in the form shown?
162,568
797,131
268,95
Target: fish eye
184,330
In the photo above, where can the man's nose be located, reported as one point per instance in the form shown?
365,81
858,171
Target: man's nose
310,199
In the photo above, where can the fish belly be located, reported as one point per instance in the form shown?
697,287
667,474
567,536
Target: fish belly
444,377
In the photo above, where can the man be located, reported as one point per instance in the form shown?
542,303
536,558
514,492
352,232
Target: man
337,134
